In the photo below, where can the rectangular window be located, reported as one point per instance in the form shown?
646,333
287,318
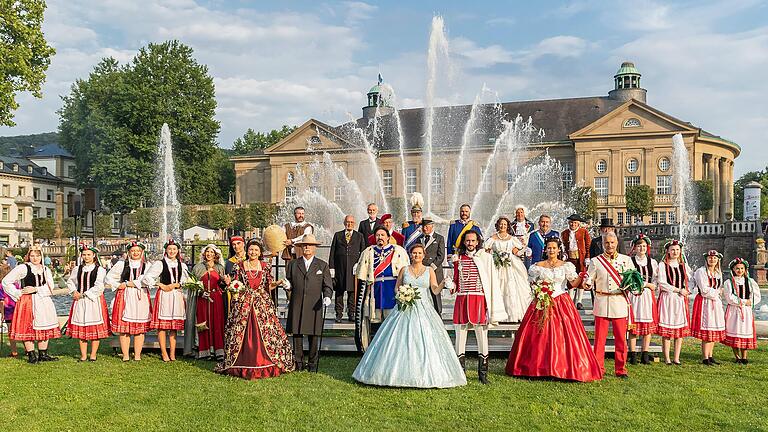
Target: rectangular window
663,185
6,190
49,194
541,182
338,193
22,191
50,213
620,218
672,217
20,215
36,212
71,171
290,194
603,215
410,180
386,178
115,222
461,181
511,176
655,217
36,193
486,179
601,186
5,215
316,189
631,181
437,180
662,217
567,175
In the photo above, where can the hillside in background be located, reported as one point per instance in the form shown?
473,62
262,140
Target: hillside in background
25,145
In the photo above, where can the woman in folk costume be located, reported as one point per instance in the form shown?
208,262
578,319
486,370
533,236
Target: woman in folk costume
209,316
131,308
674,281
169,313
708,318
645,312
255,344
34,319
551,342
742,294
508,253
7,306
88,317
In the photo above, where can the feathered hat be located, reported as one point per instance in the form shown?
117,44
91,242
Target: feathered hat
417,202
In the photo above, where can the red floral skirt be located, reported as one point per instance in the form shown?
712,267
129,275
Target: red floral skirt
560,349
253,361
470,309
90,332
124,327
163,324
696,331
21,325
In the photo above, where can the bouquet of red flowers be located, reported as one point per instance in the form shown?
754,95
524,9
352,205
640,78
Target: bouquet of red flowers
542,295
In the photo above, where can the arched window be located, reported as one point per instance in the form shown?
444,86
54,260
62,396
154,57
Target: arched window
632,123
601,166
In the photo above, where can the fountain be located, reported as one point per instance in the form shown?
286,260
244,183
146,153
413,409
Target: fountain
681,180
165,187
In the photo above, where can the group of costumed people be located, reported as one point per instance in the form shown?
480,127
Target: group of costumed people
227,309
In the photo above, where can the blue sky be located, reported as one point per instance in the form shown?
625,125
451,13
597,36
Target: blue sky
280,63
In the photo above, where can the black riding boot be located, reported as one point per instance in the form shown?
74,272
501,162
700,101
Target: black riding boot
482,368
463,363
633,358
31,357
645,358
43,356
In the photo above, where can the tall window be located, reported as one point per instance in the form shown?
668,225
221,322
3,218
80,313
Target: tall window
20,215
35,212
410,180
461,181
437,180
486,179
662,217
386,178
601,186
5,215
290,194
6,190
49,194
603,215
567,175
655,217
50,213
541,182
620,218
511,176
663,185
672,217
631,181
36,193
22,191
338,193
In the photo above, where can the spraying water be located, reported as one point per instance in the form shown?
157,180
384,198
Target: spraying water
682,181
165,187
438,48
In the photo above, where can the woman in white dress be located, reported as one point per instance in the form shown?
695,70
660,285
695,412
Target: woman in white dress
513,276
645,313
742,294
674,281
88,317
708,318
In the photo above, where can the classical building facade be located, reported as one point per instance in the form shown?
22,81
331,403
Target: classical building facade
604,142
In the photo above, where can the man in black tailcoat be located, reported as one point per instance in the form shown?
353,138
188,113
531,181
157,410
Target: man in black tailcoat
346,247
367,225
434,255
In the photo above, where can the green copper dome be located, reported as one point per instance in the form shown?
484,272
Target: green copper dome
627,68
375,89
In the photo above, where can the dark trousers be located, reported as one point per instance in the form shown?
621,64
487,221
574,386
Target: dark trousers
339,306
298,349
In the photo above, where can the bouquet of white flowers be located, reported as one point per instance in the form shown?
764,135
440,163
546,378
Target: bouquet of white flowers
406,296
193,285
502,259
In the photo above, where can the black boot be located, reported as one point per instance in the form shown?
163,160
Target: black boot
713,361
645,358
482,368
31,357
43,356
463,362
633,358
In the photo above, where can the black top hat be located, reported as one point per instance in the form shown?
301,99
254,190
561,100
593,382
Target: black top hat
607,223
576,217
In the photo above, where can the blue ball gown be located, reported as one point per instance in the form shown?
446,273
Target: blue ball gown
412,348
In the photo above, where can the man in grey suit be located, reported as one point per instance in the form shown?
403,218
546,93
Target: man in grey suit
434,255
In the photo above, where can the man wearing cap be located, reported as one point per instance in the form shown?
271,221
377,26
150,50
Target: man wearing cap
295,231
576,242
379,266
388,223
412,229
367,225
596,247
459,227
536,239
346,247
434,255
308,278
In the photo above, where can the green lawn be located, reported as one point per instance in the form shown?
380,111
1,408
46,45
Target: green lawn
186,395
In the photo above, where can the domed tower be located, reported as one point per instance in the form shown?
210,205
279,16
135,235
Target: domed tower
627,84
379,101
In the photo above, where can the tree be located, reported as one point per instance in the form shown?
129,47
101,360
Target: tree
241,220
24,53
68,228
103,225
43,228
220,217
584,201
226,171
188,217
703,193
111,123
738,189
639,200
143,221
262,214
252,141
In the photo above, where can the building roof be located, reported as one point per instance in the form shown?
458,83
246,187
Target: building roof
38,172
51,150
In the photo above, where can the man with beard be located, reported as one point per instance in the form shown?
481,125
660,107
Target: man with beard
379,266
295,231
459,227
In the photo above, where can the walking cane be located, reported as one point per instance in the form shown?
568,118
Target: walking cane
320,344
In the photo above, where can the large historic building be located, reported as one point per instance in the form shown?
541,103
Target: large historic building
605,142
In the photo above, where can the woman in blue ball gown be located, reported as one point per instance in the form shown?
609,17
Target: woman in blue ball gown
412,348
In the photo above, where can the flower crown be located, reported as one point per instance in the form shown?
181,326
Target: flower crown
641,237
714,253
736,261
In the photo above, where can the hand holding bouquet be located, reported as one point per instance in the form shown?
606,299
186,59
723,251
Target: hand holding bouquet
502,259
406,296
542,295
193,285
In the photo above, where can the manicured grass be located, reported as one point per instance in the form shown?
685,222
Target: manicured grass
186,395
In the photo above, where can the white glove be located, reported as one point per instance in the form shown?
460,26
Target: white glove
528,252
354,269
326,301
286,284
586,262
449,285
333,273
454,258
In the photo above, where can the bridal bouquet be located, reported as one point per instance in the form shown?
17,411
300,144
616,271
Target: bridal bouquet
193,285
406,296
236,287
542,295
502,259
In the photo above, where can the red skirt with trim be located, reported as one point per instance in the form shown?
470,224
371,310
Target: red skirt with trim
124,327
742,343
646,328
696,331
470,309
90,332
677,333
21,325
163,324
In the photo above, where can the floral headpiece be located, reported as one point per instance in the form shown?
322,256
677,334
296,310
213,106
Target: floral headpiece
170,242
736,261
714,253
84,247
135,243
673,243
641,237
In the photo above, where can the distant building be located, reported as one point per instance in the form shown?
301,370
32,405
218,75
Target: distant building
198,232
605,142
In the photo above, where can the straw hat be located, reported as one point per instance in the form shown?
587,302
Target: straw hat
308,239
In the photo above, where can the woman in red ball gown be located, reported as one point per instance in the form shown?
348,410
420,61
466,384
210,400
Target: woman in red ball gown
209,313
554,345
255,344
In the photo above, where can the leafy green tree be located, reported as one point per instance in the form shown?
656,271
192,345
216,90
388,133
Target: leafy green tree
68,227
226,171
188,217
44,228
220,217
24,53
703,192
103,225
241,219
143,221
584,201
111,123
262,214
639,200
252,140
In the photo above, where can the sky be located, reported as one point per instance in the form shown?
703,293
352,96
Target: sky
284,62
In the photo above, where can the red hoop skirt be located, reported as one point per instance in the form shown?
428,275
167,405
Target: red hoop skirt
560,349
21,325
696,331
124,327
